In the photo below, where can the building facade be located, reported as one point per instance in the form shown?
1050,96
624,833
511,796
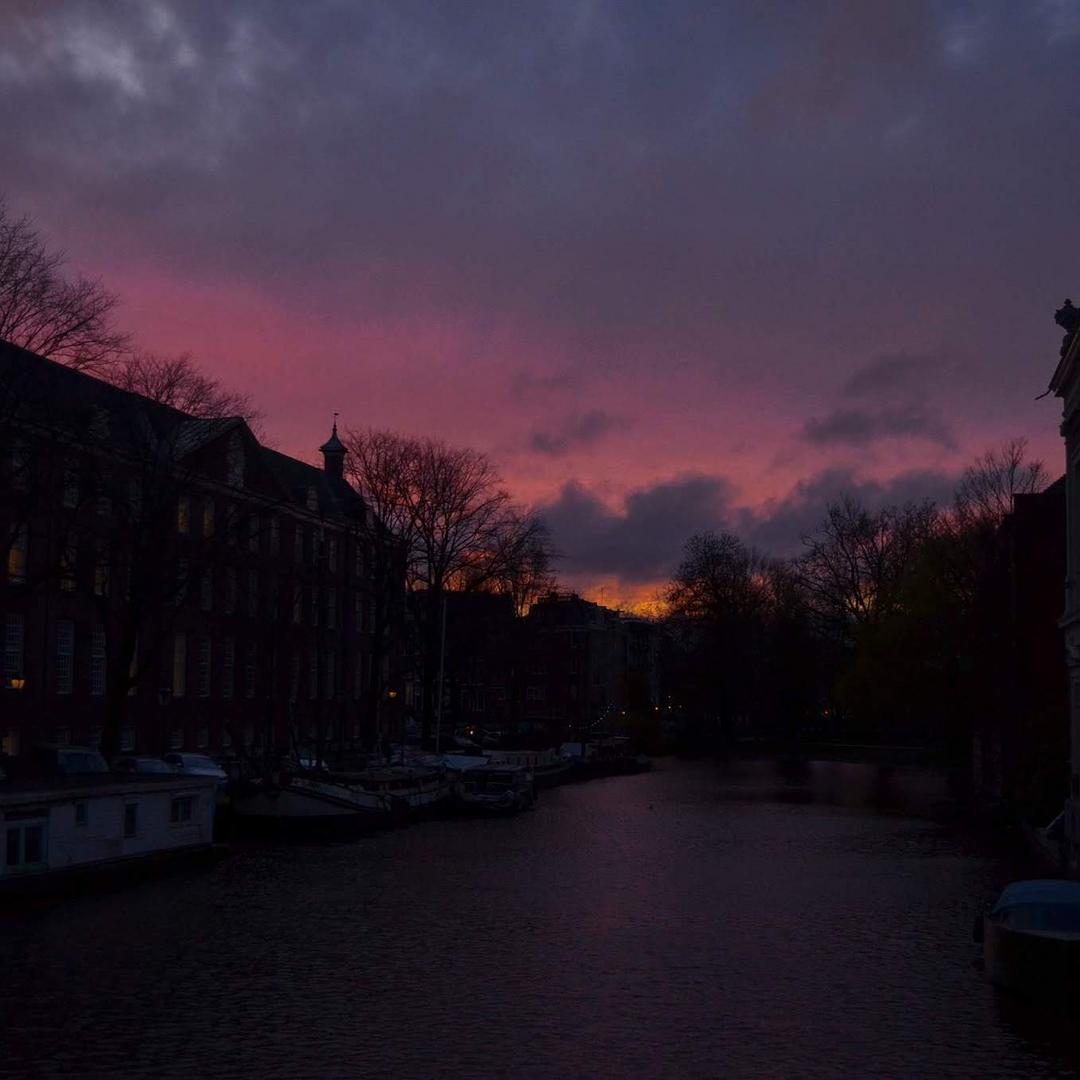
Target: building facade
171,583
1066,385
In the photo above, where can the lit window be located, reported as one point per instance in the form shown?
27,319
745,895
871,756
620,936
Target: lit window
16,561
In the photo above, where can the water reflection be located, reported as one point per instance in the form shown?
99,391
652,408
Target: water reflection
747,919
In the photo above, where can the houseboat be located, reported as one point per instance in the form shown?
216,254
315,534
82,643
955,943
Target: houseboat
60,829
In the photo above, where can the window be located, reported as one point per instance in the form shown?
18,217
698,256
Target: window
179,664
331,553
331,676
297,603
228,667
101,569
230,590
206,590
358,612
71,487
234,461
133,670
314,605
313,675
250,657
97,662
253,534
127,739
182,574
16,562
69,563
82,813
317,542
253,593
135,498
14,644
65,656
294,677
298,542
358,677
20,467
358,561
275,535
183,514
312,499
208,518
180,810
203,669
131,819
25,843
331,609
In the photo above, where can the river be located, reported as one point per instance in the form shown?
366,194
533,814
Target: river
702,920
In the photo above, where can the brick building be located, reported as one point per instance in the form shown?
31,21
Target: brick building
170,582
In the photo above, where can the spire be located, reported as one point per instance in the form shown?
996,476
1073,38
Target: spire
333,452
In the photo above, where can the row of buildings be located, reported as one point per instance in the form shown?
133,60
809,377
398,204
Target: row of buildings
172,583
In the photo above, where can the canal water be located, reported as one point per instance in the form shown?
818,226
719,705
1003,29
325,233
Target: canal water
702,920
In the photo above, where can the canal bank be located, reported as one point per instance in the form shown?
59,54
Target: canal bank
704,919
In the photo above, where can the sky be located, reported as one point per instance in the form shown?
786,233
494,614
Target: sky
673,266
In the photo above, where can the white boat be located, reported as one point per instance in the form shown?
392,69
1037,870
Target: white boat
1031,939
309,802
496,788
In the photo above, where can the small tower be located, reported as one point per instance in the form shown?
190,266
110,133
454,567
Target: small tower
333,452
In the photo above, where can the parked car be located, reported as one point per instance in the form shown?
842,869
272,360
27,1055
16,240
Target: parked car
196,765
143,765
52,760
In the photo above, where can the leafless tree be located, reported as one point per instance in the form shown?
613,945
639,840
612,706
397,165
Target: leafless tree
457,526
856,562
986,490
177,382
64,319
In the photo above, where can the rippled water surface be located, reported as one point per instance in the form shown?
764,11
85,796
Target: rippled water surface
698,921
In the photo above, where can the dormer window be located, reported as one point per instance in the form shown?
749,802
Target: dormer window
234,461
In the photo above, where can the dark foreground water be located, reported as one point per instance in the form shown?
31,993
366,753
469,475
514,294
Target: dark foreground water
699,921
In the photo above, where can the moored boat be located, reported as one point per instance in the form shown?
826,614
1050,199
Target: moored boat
302,803
1031,939
496,789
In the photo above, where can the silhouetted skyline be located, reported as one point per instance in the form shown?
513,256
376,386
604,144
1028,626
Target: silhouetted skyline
674,267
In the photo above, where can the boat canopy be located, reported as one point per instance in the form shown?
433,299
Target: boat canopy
1047,905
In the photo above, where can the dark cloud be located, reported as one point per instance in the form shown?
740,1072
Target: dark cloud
643,542
573,432
780,526
889,375
858,427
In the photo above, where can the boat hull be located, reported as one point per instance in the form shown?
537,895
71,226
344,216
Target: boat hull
1039,966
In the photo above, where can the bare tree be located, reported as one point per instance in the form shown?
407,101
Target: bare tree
458,528
986,490
177,382
68,320
856,562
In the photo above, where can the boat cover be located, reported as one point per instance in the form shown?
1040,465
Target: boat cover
1047,905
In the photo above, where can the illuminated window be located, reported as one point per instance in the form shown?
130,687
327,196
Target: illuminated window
16,561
